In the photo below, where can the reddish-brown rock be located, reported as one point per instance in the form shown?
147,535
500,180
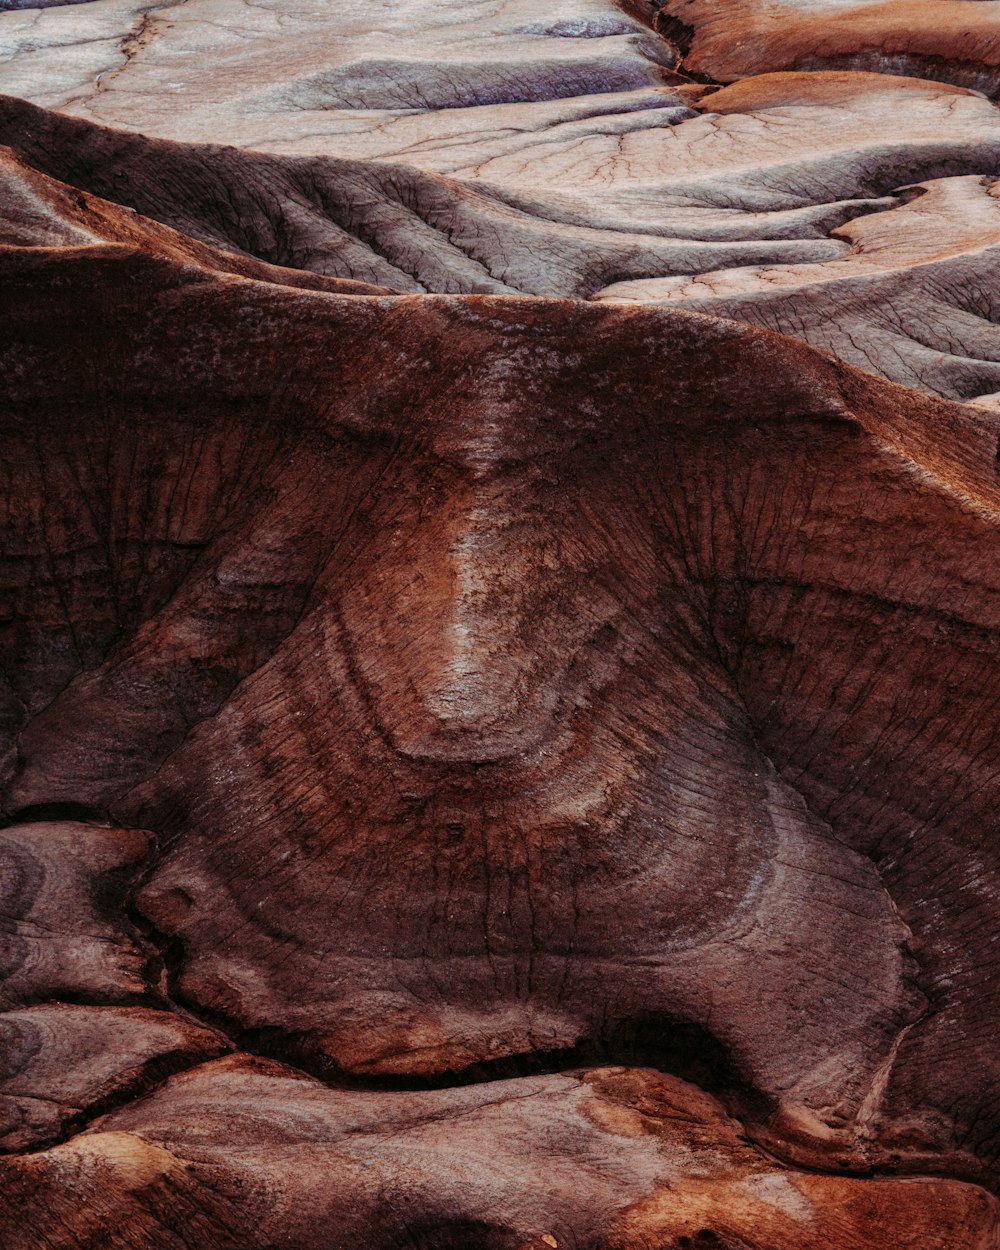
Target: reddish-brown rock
246,1154
956,41
518,683
482,770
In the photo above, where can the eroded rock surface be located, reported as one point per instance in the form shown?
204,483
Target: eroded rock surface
491,755
482,149
954,41
436,799
617,1157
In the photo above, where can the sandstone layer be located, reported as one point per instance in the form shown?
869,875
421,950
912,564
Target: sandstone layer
588,152
499,628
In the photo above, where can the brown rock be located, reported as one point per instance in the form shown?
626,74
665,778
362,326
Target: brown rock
952,40
482,770
232,1154
62,934
472,737
65,1063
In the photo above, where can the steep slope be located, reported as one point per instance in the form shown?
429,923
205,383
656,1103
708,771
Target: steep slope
40,212
503,683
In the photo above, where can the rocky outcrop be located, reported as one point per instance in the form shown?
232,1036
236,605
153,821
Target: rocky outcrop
433,799
879,249
491,755
955,41
614,1157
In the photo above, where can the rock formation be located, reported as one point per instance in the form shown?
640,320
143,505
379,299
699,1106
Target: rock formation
497,730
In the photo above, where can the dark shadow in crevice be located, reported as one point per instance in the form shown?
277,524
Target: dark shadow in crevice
453,1234
655,1040
676,32
44,812
149,1078
658,1040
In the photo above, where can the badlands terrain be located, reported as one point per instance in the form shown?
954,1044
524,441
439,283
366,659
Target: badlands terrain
500,625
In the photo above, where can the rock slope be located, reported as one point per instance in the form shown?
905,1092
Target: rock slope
497,745
477,675
586,153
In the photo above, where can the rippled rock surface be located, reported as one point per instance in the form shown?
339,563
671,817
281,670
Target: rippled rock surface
499,622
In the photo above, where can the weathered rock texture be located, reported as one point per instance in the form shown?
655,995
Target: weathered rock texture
565,156
954,41
492,757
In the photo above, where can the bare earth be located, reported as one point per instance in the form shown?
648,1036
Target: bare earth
500,625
